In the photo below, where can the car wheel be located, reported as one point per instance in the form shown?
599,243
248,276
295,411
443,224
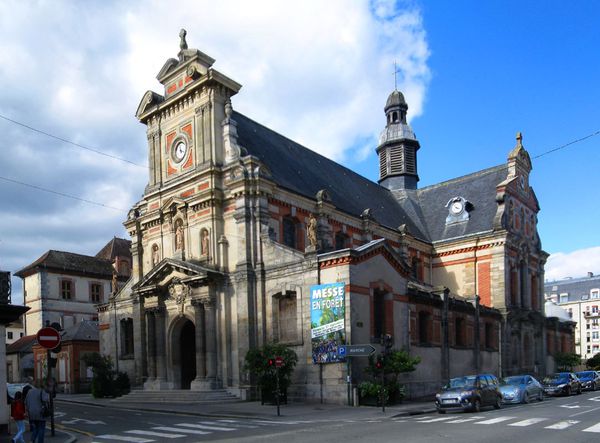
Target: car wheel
568,391
525,397
541,396
579,391
498,403
476,405
594,386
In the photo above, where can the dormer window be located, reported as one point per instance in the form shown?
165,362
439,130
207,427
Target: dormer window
458,210
394,117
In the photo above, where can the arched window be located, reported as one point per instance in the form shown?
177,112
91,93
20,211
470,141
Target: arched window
378,314
394,117
290,235
126,337
459,331
341,241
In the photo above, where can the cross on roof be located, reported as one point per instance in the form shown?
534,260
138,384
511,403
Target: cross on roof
396,71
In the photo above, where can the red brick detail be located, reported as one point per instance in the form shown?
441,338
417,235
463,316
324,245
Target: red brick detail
188,130
202,186
153,206
170,169
188,80
342,261
190,161
169,142
400,297
180,83
171,88
203,212
355,289
187,193
484,284
389,317
229,208
469,249
461,261
103,326
153,230
191,217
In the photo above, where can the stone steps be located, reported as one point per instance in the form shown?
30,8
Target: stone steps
178,396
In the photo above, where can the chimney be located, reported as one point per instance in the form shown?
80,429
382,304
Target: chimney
590,274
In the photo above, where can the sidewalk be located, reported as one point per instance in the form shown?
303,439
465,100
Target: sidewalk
253,409
59,437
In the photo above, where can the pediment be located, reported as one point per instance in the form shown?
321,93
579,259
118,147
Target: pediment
169,66
149,101
172,204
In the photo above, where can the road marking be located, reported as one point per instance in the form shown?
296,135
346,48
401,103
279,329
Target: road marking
123,438
424,417
435,419
465,420
154,434
595,428
562,424
271,422
234,423
584,412
87,422
569,406
494,420
208,428
528,422
183,430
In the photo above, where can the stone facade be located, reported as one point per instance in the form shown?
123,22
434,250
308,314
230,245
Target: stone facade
237,223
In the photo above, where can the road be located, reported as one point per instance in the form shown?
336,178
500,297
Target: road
572,419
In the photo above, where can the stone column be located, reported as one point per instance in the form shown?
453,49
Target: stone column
210,317
200,382
151,354
161,368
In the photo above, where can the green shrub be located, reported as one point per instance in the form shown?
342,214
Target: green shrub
106,382
257,363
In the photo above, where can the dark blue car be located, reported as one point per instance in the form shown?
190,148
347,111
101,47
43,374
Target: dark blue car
590,380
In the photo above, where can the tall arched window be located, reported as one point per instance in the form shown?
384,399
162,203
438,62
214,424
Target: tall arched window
290,235
424,319
378,314
459,331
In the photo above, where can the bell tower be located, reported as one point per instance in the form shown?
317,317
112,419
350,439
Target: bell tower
398,147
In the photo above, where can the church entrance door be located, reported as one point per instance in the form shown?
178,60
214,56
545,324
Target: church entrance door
187,347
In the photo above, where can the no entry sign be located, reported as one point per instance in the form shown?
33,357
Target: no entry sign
278,362
48,338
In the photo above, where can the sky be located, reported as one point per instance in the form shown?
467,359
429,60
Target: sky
473,73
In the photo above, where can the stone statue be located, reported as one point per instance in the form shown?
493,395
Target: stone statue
115,286
204,243
182,43
155,255
179,238
312,231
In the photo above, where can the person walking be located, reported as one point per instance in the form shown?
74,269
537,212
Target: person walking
36,404
17,412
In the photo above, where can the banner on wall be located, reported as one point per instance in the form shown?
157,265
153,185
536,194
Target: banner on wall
327,322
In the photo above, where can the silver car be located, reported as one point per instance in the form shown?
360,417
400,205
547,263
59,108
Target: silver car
521,389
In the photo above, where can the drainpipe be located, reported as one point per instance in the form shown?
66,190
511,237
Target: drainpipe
445,338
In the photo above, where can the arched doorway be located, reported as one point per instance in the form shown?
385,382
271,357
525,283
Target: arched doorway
187,354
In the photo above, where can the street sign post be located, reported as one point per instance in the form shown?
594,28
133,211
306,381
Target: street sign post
355,350
278,362
48,338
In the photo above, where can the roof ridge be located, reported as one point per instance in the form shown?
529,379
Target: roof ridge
466,176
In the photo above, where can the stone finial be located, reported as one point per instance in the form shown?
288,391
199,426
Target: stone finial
182,43
519,139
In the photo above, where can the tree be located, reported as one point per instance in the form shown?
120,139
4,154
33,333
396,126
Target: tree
106,382
566,360
594,362
257,363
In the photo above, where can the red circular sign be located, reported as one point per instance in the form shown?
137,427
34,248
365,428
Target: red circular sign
48,338
279,362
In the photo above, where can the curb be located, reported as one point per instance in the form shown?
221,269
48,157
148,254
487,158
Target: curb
415,412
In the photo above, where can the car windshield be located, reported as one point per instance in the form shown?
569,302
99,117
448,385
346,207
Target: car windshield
513,381
557,378
461,382
586,375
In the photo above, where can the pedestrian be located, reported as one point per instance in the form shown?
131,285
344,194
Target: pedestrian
36,404
17,412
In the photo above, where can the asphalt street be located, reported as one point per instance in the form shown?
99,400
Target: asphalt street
573,419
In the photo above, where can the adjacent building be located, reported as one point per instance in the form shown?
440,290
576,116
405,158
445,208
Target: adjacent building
242,234
14,331
580,297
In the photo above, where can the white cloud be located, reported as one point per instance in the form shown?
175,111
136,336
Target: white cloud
318,72
574,264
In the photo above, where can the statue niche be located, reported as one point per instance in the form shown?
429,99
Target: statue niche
179,242
204,243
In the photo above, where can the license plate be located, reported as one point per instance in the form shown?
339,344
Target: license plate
448,400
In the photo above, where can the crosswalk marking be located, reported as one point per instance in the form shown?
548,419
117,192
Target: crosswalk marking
154,434
562,424
208,428
432,420
272,422
528,422
424,417
494,420
232,423
465,420
182,430
595,428
124,438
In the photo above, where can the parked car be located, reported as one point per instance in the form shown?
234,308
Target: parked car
562,383
590,380
469,393
521,389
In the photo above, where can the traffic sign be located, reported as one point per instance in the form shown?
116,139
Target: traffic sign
48,338
278,362
355,350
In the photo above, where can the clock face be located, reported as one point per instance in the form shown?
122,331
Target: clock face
456,207
179,151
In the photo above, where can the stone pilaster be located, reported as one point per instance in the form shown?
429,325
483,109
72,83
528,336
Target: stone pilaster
151,355
200,382
210,317
161,351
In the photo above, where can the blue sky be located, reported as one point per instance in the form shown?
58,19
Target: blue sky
474,73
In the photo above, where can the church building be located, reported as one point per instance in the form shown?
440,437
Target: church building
242,235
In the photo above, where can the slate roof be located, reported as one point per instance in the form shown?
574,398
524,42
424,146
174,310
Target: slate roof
577,288
65,262
117,247
305,172
423,211
85,330
479,189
